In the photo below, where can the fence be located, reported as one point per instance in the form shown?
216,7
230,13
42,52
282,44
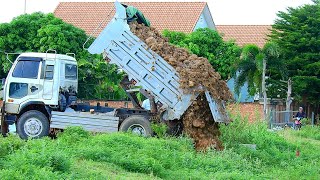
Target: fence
283,118
109,103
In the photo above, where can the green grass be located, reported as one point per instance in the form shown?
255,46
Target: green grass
88,169
309,132
76,154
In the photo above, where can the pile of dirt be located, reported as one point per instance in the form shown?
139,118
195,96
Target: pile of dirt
200,126
196,75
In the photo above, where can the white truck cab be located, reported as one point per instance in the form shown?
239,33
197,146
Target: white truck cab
40,82
40,86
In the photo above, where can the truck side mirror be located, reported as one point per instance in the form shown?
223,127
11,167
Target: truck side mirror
3,81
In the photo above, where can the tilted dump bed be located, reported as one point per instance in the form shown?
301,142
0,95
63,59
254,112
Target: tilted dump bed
147,68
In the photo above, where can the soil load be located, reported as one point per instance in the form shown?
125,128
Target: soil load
196,75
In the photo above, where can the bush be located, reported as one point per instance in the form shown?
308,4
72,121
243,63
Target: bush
9,145
160,129
306,121
40,153
29,172
73,135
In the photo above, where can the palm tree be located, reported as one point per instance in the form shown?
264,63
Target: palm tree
270,50
252,68
249,69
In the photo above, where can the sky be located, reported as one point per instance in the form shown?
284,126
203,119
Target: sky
224,12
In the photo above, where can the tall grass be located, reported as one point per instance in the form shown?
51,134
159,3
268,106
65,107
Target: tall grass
167,158
270,147
309,132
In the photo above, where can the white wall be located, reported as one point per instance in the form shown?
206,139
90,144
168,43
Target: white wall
202,23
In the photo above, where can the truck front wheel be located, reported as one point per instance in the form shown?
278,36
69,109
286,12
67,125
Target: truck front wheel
32,124
137,125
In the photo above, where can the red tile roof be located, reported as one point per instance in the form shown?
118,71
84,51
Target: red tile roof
245,34
177,16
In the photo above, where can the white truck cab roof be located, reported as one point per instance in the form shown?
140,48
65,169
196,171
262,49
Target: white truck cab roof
50,56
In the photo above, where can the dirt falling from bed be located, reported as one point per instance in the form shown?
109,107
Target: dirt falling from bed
196,75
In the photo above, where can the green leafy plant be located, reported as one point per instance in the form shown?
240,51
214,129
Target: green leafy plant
160,129
306,121
9,145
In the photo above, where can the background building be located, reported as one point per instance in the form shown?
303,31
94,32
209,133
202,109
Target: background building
175,16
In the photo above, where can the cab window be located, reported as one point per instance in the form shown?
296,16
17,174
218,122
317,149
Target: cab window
49,72
18,90
71,71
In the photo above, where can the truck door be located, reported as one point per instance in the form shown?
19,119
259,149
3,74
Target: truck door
24,82
48,80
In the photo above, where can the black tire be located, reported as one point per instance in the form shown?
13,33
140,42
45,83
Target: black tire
33,124
137,124
62,103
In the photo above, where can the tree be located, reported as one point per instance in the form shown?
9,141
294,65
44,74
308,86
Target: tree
39,32
208,43
249,69
100,80
270,51
254,64
297,33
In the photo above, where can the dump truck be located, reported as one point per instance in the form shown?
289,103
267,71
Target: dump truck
40,92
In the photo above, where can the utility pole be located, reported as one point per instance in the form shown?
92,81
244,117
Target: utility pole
25,6
264,91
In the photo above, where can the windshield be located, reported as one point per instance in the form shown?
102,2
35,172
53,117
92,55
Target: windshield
26,69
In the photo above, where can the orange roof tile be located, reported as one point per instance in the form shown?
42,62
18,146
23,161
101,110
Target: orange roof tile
176,16
245,34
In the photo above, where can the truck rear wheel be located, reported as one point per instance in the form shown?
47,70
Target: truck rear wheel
32,124
137,125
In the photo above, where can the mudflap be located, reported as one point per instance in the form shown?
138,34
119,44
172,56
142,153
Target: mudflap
4,128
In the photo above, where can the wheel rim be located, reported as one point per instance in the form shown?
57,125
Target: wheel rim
137,129
33,127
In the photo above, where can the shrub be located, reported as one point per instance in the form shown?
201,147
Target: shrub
9,145
39,154
160,129
73,135
306,121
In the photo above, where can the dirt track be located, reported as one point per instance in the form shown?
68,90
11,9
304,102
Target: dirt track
196,75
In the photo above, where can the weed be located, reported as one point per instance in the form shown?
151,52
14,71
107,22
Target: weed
160,129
